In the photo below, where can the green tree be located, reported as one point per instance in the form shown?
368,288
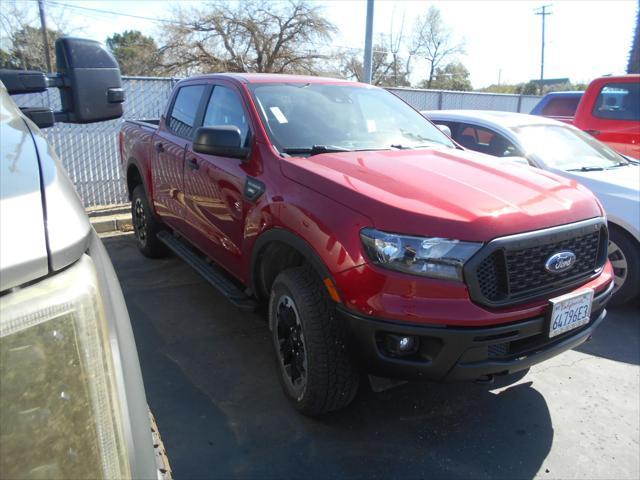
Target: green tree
136,53
26,51
454,76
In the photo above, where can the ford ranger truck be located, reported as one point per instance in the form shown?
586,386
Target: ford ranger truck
72,401
376,243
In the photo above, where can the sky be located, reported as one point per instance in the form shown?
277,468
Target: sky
584,39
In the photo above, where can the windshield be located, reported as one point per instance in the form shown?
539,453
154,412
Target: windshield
567,148
316,118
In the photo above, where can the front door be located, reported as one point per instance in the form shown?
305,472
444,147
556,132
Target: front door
168,153
214,185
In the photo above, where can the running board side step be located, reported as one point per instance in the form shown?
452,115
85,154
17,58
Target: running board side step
212,274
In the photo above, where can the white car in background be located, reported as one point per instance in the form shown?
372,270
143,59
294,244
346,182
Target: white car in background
569,152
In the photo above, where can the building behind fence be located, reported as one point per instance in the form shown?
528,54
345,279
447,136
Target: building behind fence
90,152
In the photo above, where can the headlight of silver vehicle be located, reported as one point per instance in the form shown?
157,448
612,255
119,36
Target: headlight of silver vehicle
59,409
426,256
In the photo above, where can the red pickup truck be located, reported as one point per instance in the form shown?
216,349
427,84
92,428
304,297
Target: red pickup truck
377,244
609,110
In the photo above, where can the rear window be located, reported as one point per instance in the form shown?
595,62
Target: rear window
618,101
561,107
185,109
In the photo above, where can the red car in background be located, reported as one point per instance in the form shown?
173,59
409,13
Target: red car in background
609,110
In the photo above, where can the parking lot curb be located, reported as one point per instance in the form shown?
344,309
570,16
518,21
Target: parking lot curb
112,223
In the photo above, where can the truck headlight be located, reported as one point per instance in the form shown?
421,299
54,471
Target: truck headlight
427,256
59,409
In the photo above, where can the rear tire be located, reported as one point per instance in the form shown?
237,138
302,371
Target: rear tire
314,362
624,254
146,226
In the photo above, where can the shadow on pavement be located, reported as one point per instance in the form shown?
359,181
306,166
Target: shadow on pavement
618,337
211,381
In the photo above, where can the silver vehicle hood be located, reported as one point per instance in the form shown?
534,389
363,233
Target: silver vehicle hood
43,226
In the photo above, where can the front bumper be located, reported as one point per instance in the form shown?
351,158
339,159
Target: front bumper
465,353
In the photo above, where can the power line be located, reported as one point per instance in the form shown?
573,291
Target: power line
109,12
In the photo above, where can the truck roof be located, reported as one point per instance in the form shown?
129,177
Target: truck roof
274,78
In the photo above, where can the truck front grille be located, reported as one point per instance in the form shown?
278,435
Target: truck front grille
512,269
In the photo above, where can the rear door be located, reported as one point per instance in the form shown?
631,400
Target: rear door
614,116
168,154
214,185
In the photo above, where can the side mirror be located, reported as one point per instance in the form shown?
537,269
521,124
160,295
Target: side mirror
223,141
444,129
91,90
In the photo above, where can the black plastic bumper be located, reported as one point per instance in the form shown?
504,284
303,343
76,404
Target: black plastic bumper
464,353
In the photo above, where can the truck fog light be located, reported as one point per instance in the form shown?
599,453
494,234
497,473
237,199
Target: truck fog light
401,345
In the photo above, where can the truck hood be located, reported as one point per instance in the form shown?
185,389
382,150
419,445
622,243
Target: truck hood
445,193
619,191
23,245
43,224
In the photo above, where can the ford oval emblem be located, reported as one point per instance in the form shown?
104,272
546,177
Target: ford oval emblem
560,262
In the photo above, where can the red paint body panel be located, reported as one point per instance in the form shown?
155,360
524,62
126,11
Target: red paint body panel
327,199
379,293
621,135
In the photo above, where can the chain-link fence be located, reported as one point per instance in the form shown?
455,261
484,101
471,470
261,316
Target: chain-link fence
90,152
447,100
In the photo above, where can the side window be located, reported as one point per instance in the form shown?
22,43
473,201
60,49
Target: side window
561,107
618,101
225,108
184,111
486,141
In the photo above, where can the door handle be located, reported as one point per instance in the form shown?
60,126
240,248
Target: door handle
159,147
593,132
193,164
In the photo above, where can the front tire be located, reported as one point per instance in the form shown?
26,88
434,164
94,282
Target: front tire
145,226
624,255
314,363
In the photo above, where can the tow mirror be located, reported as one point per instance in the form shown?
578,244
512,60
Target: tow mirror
223,141
88,79
92,89
444,129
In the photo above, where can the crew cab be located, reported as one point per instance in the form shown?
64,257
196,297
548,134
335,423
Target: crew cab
72,400
377,244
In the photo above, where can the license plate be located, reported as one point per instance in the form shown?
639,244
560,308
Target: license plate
570,311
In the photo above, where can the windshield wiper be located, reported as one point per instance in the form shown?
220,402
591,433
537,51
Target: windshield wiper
586,169
315,150
620,164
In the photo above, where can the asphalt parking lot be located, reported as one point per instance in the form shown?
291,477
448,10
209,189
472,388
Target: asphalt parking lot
210,379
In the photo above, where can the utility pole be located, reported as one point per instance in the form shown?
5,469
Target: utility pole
45,36
542,11
368,46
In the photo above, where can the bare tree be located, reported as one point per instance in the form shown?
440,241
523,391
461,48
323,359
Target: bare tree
386,66
433,41
249,36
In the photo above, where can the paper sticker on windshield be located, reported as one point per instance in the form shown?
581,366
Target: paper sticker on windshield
278,114
371,126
